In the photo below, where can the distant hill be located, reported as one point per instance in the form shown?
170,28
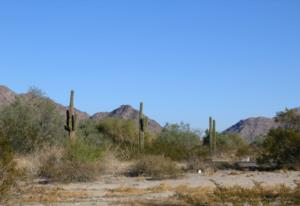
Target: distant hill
7,96
251,128
128,112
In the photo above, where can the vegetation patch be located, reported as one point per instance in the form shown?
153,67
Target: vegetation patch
155,167
77,162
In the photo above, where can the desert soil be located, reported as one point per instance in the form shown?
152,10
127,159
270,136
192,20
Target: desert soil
110,190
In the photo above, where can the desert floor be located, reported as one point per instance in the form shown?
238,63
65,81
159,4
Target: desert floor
110,190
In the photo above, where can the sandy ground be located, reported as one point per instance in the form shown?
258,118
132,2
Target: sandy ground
132,190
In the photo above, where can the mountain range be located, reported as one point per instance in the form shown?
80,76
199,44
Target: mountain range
7,96
252,128
249,128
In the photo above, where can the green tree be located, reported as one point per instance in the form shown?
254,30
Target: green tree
119,130
288,119
30,121
179,134
176,141
282,146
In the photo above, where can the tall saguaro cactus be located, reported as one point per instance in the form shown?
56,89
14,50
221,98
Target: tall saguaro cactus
212,135
142,125
71,119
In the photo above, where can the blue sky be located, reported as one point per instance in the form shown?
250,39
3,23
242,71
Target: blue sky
187,60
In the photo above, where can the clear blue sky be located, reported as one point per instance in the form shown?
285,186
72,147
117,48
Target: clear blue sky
185,59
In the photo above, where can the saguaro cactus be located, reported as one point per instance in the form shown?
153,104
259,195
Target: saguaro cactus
210,132
142,125
214,137
71,118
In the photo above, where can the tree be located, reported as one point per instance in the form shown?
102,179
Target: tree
30,121
119,130
282,146
288,119
179,134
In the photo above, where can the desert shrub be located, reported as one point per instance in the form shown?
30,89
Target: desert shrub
230,141
88,130
282,144
8,172
175,152
176,141
282,147
155,167
76,162
245,150
119,130
288,119
31,121
125,151
229,144
116,133
178,134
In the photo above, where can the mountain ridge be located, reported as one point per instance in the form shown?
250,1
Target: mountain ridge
253,127
127,112
7,96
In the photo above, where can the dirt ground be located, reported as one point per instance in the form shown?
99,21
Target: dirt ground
110,190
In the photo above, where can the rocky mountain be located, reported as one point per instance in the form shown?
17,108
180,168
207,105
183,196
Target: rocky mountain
7,96
251,128
128,112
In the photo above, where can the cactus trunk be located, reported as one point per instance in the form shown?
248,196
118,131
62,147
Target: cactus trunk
141,127
71,119
214,137
210,134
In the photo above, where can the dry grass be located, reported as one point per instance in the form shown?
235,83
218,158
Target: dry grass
78,162
41,194
32,163
130,191
112,166
193,196
212,196
258,195
124,192
163,187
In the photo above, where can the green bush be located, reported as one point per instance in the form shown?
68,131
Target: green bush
177,141
155,167
8,172
119,130
229,144
178,134
88,130
288,119
282,144
31,121
282,147
77,162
